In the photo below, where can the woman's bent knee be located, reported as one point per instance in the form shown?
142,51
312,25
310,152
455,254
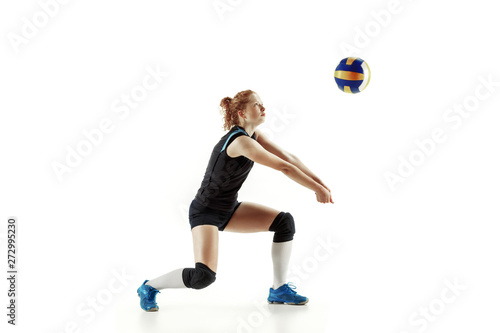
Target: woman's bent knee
283,227
199,277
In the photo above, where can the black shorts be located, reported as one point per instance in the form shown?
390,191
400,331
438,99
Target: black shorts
199,215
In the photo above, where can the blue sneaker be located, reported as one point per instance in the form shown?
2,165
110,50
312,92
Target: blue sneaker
286,294
148,295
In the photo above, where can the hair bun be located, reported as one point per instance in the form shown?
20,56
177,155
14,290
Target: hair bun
230,105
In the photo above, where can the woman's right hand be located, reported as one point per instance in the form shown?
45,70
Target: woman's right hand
323,195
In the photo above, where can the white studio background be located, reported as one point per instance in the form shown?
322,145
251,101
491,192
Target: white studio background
412,161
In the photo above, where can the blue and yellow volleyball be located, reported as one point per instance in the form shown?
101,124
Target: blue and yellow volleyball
352,75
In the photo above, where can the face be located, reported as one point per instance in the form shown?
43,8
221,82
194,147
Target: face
255,110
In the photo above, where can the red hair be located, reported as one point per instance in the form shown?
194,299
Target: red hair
231,106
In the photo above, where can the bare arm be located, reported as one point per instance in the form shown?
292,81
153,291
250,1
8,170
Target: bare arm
292,159
289,157
302,178
255,152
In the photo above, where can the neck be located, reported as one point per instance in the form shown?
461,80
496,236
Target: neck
249,128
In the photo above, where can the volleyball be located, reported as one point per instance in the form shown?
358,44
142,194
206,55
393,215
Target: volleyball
352,75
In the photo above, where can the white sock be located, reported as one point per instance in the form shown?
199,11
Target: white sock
172,279
280,252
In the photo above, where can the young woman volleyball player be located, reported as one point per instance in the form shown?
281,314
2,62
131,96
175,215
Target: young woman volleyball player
216,208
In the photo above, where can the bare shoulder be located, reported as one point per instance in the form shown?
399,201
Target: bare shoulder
255,151
257,134
239,146
271,146
260,137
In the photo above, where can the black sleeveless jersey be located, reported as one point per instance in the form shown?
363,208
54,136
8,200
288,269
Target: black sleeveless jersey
224,175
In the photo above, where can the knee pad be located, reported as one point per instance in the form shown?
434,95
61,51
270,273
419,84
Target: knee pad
199,277
283,227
